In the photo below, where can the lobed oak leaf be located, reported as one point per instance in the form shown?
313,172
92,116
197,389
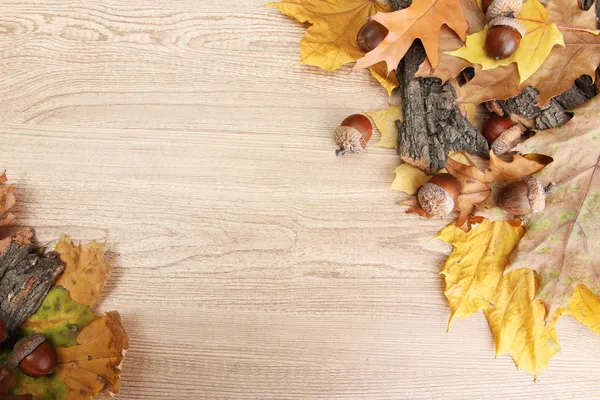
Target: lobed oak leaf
495,84
475,266
421,20
561,241
517,323
579,56
85,272
449,67
385,121
541,36
330,40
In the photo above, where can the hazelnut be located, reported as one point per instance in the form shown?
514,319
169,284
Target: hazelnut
370,35
523,196
353,134
34,356
438,196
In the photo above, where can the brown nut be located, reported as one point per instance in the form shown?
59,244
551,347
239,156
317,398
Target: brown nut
523,196
353,134
34,356
438,196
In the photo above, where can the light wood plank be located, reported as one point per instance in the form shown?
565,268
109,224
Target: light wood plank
250,262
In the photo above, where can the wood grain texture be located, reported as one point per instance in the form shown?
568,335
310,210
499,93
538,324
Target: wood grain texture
250,262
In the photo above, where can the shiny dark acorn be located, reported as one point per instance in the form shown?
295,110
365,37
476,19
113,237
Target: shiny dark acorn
502,42
370,35
41,362
494,126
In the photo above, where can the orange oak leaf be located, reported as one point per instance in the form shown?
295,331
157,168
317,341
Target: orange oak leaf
422,20
85,272
449,67
493,84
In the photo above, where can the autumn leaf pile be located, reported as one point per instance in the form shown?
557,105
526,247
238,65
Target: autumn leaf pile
90,347
523,273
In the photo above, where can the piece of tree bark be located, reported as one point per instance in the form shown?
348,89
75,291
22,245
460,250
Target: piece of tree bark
434,125
25,279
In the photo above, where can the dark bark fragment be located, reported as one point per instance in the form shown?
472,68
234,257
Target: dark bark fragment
25,279
433,124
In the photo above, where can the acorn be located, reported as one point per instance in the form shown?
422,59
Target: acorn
34,356
507,140
438,196
503,37
3,333
370,35
523,196
494,126
353,134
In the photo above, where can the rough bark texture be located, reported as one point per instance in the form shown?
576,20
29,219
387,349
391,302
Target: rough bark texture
25,279
433,124
554,113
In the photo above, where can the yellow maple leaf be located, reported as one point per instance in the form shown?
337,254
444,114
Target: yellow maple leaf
585,307
517,323
475,266
542,35
385,121
330,41
85,271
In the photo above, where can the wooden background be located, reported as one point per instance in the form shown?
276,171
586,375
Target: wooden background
250,262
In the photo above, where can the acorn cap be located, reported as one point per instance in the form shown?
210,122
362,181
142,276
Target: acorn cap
349,139
23,348
510,22
535,193
503,8
435,200
507,140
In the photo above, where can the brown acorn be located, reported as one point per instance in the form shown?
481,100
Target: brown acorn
370,35
494,126
503,37
438,196
353,134
501,8
523,196
34,356
485,5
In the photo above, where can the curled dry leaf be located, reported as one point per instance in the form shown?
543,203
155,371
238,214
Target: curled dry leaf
421,20
561,242
385,121
542,35
330,40
85,272
517,323
474,268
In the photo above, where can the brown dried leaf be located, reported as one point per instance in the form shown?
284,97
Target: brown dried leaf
85,272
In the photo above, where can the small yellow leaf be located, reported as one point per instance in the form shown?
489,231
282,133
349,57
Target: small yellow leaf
585,307
535,46
385,121
85,272
388,81
475,266
517,323
409,179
